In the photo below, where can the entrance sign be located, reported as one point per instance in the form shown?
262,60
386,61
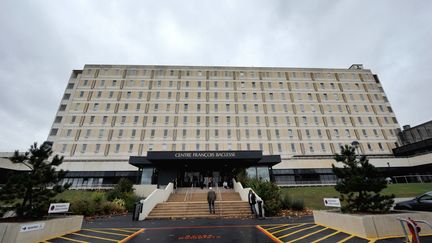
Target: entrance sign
204,155
58,207
31,227
332,202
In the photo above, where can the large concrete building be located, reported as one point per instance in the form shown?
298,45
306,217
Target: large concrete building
187,122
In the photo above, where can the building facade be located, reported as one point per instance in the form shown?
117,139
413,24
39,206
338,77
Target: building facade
110,113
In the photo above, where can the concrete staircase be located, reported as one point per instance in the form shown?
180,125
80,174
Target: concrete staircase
192,203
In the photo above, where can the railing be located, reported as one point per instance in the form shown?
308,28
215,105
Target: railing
93,187
412,179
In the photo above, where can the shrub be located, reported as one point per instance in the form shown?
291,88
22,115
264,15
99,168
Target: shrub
112,208
297,204
286,201
98,197
83,207
119,202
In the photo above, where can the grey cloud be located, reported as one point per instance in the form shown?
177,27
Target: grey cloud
42,41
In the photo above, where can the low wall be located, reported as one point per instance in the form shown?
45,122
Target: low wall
40,230
144,190
244,194
371,226
157,196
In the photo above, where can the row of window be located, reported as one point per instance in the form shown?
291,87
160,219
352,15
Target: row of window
194,134
229,96
225,73
278,148
227,85
228,120
229,108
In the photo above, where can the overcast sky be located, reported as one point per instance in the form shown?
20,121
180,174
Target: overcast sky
42,41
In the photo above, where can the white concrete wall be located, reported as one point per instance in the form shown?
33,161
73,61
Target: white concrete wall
10,232
144,190
157,196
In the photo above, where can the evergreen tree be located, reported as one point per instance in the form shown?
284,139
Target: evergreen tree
360,184
29,193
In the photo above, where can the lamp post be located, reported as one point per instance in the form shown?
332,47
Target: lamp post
356,144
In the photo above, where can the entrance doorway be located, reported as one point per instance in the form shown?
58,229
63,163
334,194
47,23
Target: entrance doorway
203,178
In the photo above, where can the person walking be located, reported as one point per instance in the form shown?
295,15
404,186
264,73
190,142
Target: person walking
211,198
252,202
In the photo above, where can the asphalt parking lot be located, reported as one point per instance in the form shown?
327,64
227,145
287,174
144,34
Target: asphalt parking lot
123,229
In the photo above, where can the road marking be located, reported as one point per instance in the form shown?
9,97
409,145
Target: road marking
297,231
104,232
325,237
277,227
305,236
295,226
131,236
268,234
123,230
345,239
70,239
95,237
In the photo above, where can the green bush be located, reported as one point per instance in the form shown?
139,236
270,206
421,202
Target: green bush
84,207
297,204
286,201
119,202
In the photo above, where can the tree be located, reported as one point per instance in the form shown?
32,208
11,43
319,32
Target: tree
360,184
29,193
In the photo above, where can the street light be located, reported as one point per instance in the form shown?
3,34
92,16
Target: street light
356,144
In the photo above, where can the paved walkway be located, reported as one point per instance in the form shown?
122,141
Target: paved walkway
122,229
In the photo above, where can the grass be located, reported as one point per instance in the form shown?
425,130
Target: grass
313,196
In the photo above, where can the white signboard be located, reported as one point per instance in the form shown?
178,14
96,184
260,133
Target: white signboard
332,202
58,207
32,227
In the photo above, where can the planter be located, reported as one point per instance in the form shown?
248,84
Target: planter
34,231
371,225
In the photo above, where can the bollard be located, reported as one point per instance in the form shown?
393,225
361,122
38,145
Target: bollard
137,210
260,211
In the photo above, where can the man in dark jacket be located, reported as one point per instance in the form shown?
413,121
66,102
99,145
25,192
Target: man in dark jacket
252,202
211,198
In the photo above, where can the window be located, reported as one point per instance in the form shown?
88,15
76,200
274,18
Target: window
347,133
380,147
69,133
88,132
117,148
336,132
293,148
120,133
54,132
101,133
66,96
83,148
323,148
133,133
95,106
